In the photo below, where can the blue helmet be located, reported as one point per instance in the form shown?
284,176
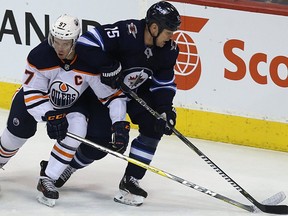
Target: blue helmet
165,15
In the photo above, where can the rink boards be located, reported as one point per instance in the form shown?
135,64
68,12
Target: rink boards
231,73
210,126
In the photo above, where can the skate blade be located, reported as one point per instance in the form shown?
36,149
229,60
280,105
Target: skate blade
127,198
273,200
46,201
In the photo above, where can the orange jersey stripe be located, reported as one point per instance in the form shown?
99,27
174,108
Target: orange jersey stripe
83,72
43,69
35,98
110,97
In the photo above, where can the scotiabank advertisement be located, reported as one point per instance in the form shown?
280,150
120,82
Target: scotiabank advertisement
231,61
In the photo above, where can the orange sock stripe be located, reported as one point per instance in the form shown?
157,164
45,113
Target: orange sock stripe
63,152
7,154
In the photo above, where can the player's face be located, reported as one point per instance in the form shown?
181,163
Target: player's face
164,36
62,47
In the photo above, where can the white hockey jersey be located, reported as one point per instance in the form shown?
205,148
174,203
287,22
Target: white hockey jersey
50,83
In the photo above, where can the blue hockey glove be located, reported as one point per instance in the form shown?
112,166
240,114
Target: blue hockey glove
165,124
120,136
57,124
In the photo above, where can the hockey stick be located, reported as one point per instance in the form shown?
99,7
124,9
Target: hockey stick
279,209
277,198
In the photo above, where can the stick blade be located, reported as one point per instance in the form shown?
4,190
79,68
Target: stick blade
275,199
270,205
276,209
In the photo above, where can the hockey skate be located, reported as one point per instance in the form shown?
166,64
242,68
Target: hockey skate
64,176
46,186
130,193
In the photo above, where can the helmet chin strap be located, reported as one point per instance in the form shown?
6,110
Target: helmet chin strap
155,37
71,50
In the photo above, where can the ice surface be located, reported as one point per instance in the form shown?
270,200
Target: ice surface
90,191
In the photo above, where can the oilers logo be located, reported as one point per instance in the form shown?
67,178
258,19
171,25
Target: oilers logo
134,77
62,95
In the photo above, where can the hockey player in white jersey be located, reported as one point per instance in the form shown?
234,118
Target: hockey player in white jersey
55,90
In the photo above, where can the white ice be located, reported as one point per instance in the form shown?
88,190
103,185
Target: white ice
90,191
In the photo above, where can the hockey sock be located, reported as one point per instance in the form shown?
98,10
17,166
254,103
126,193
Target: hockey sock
9,146
80,160
143,149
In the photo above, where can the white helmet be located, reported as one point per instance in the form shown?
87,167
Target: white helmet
66,27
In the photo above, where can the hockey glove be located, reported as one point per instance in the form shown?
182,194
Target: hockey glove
57,124
165,124
120,136
110,75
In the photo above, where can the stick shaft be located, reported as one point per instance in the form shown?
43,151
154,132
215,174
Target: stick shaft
283,209
165,174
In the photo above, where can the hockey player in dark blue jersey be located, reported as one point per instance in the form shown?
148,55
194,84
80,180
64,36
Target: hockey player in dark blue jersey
143,47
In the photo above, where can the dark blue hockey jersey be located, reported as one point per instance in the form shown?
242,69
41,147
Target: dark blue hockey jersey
124,41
